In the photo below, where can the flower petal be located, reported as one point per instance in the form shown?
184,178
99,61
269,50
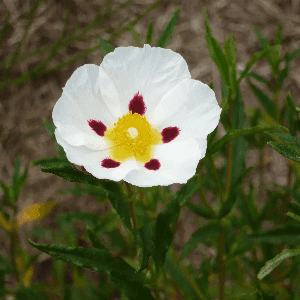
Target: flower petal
178,163
192,106
80,102
151,71
92,161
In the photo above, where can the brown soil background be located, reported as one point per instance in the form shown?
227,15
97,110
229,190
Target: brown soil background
22,108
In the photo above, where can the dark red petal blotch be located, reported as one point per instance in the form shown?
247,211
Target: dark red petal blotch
97,126
137,104
109,163
169,134
153,165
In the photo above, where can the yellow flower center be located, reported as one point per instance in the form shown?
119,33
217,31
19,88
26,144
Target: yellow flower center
132,137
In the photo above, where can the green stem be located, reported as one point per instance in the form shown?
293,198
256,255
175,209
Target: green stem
261,173
228,167
222,274
187,274
221,264
14,242
206,202
132,206
217,178
202,193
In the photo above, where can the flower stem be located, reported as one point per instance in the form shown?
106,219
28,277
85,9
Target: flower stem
261,173
202,194
132,206
14,241
221,264
217,178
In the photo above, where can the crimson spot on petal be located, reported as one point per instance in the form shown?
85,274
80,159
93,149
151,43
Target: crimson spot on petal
153,164
109,163
97,126
169,134
137,104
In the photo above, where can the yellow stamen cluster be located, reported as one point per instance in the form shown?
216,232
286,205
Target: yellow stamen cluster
132,137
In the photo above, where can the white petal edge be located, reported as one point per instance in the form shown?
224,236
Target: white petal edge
178,164
192,106
151,71
91,160
81,101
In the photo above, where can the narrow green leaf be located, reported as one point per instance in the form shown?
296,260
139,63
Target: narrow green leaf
230,53
293,192
5,26
211,137
149,36
187,190
16,174
205,271
289,234
258,78
6,189
288,139
107,223
179,278
96,242
164,233
105,47
283,75
286,151
94,259
256,57
276,261
89,218
136,36
199,210
167,33
291,103
132,290
239,146
249,209
166,221
203,235
294,216
118,200
232,197
52,161
266,102
274,58
292,56
273,198
278,36
21,182
263,42
145,236
67,172
114,192
92,190
216,52
235,134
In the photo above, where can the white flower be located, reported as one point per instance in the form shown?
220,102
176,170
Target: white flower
138,117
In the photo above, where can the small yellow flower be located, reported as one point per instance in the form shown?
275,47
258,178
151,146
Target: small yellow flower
33,212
